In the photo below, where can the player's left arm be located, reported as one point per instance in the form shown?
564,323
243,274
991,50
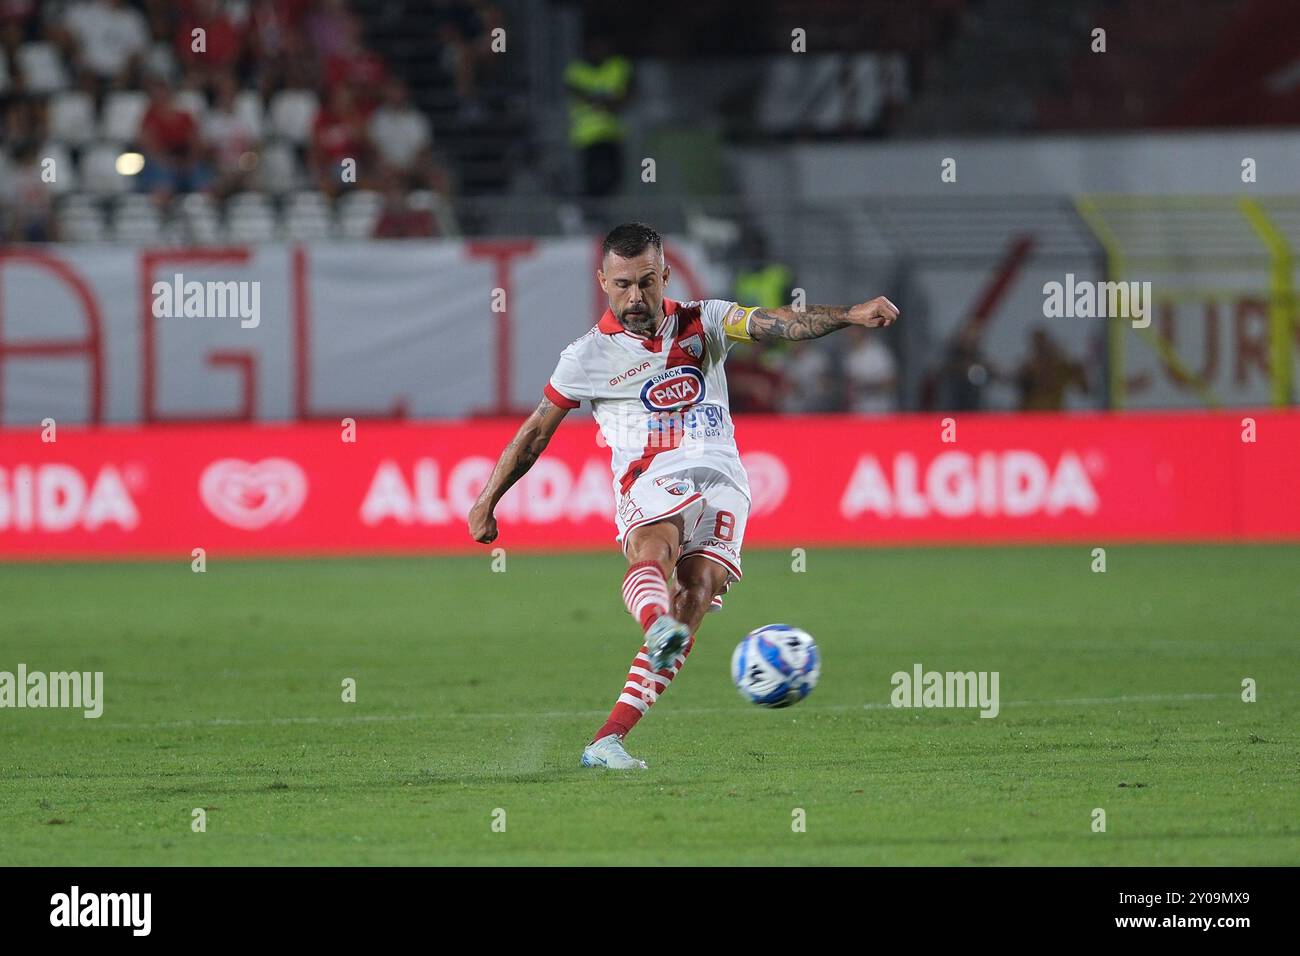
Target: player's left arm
814,321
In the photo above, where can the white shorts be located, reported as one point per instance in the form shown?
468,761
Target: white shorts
713,510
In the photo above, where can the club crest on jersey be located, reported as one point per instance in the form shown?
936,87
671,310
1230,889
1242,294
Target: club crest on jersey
673,388
692,346
678,487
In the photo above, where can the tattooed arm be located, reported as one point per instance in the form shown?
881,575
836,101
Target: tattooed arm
520,455
814,321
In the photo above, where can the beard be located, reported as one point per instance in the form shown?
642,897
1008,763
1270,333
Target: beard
641,322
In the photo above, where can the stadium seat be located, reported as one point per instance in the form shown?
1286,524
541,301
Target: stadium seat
160,61
358,213
192,102
307,216
277,168
72,117
80,219
136,219
65,173
427,199
248,106
292,114
42,67
99,169
250,218
197,218
123,112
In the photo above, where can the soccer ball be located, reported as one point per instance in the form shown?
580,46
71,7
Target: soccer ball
776,666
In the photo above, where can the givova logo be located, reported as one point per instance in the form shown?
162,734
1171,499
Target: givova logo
103,909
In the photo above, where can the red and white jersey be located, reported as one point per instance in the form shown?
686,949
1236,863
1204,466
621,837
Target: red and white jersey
661,402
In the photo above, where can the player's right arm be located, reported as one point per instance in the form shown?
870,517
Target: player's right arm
524,449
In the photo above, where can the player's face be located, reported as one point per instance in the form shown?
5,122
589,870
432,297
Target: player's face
635,287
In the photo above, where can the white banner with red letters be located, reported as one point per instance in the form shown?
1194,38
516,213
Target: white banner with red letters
821,480
425,329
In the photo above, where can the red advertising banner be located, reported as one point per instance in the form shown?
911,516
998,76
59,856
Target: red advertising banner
817,480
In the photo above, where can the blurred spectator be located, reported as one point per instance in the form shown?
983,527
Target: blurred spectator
754,380
106,39
328,28
767,286
222,40
229,138
403,138
1046,373
24,124
277,43
464,38
808,372
760,281
173,153
352,64
599,86
399,220
29,198
870,374
960,379
339,133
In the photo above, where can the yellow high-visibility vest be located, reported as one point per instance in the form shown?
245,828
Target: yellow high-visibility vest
768,287
588,123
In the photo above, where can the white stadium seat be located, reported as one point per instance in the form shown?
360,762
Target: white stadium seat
65,173
277,168
72,117
42,67
99,169
123,112
307,216
136,222
80,219
248,107
197,216
292,114
359,211
250,218
192,102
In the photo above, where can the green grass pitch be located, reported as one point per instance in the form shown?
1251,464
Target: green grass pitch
477,690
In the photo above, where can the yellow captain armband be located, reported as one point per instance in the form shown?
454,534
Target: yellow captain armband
735,324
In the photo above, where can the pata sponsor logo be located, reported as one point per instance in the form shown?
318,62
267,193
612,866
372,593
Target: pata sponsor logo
957,484
58,497
76,908
673,389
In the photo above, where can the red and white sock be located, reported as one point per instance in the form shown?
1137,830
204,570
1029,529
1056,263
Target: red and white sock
642,688
645,592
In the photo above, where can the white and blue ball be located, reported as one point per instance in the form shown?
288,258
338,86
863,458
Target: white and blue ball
776,666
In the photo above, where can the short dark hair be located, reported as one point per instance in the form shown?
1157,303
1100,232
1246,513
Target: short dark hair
631,239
